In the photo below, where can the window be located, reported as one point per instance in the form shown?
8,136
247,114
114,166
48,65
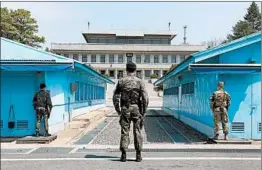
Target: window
102,58
138,58
129,59
103,72
156,72
164,72
120,58
182,58
93,58
77,92
66,55
138,73
84,58
112,73
75,56
188,88
147,73
111,58
165,59
120,74
173,59
147,59
156,59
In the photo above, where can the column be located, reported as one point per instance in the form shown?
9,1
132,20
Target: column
115,73
98,58
80,57
107,72
142,74
89,58
161,73
142,58
106,58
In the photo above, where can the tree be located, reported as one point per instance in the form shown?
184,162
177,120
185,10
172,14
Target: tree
253,17
250,24
213,43
18,25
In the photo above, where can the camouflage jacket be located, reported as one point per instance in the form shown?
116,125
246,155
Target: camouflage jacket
130,90
220,98
42,99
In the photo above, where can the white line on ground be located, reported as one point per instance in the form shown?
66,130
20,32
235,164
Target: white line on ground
74,150
102,130
145,158
165,131
32,150
178,131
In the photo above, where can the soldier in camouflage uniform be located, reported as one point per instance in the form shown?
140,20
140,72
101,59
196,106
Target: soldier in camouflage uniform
219,103
42,104
129,96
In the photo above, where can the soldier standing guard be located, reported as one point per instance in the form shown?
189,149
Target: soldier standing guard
219,103
43,105
131,100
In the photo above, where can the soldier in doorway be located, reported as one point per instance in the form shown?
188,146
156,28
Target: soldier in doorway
43,105
131,101
219,103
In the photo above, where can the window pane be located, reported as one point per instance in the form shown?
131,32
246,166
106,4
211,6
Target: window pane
84,58
66,55
147,59
112,73
156,59
129,59
173,59
75,56
111,58
147,73
102,58
182,58
120,58
93,58
165,60
138,58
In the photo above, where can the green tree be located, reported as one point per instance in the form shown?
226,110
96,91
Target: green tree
253,17
250,24
18,25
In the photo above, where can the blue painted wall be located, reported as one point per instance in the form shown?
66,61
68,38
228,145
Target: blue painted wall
245,91
18,89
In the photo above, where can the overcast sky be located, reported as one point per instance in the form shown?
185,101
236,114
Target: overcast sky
65,21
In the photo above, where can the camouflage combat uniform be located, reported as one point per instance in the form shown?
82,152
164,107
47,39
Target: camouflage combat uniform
42,104
219,102
126,101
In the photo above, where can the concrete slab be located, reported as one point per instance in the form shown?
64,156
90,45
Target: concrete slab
33,139
230,141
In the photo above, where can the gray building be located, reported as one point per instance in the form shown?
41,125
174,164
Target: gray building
107,52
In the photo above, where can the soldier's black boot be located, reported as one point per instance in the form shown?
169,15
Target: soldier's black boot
123,157
138,156
47,134
37,134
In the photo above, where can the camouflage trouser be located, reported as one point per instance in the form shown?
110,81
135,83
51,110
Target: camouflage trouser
41,114
220,116
127,115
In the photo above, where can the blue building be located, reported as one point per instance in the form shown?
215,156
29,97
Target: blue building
74,88
188,87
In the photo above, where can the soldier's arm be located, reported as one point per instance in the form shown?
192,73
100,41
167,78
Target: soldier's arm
49,101
228,99
144,96
116,97
34,101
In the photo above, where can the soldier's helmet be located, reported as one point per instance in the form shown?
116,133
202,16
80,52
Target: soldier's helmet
220,84
130,67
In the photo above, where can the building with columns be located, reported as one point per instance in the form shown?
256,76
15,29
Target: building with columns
108,52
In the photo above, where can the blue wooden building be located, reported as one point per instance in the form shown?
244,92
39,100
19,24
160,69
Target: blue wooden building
187,88
74,88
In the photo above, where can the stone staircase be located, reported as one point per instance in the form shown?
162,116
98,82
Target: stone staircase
155,100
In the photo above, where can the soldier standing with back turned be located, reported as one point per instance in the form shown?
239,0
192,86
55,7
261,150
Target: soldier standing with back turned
131,100
219,103
43,105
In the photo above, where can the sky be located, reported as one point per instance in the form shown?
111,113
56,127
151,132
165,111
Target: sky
64,22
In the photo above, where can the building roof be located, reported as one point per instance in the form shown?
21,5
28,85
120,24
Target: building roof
212,52
132,33
17,54
125,47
